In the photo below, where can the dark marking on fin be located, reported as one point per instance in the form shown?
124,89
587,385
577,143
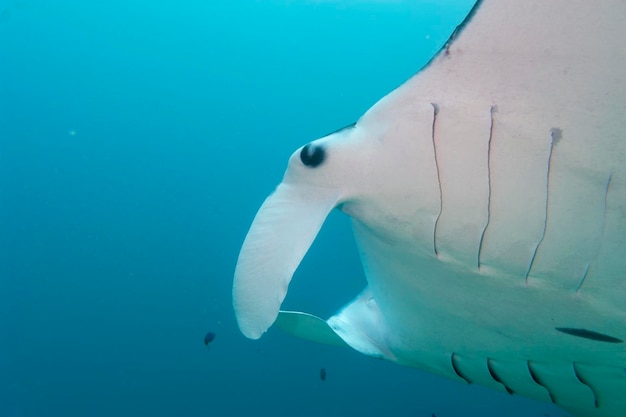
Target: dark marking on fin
497,378
584,277
545,221
584,382
435,113
537,380
482,235
453,361
589,334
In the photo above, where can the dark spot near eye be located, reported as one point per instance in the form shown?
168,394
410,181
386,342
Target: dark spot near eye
312,155
589,334
556,134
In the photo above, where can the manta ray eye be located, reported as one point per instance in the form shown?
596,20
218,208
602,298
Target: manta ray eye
312,155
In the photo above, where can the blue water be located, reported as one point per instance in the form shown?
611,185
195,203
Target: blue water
137,140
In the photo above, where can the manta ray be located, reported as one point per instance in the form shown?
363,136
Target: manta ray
487,196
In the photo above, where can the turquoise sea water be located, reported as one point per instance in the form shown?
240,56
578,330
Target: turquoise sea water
137,140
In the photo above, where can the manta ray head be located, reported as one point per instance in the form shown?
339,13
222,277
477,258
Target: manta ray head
319,178
365,170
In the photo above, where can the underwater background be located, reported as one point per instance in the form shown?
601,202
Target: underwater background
137,140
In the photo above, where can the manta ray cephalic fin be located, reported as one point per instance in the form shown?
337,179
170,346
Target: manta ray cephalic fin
281,234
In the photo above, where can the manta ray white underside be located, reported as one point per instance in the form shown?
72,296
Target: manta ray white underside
488,201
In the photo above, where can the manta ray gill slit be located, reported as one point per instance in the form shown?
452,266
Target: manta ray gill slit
606,202
555,136
496,378
456,368
435,113
492,110
535,377
584,382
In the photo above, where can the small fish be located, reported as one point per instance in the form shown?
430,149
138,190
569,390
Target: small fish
323,374
208,338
